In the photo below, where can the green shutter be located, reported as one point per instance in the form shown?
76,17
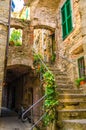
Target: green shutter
66,18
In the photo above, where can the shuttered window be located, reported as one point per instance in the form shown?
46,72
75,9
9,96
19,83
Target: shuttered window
66,19
81,67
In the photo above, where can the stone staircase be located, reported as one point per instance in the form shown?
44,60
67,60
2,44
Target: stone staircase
72,104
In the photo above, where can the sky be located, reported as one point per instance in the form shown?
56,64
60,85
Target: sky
18,5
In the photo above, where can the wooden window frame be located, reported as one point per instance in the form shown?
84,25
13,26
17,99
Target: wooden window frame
67,25
81,67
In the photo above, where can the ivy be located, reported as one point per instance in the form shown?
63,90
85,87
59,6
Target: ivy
51,100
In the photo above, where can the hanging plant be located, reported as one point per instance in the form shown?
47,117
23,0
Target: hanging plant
53,57
37,59
51,100
37,64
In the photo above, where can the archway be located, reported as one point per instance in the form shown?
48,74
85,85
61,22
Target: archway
18,89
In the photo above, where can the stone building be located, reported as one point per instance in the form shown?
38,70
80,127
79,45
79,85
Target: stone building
70,37
54,27
4,27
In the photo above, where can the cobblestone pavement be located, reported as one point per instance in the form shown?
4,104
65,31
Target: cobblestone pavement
13,123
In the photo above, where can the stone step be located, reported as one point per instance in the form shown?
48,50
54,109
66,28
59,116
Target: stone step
72,114
67,97
55,69
68,91
63,86
62,82
69,105
61,77
57,74
79,124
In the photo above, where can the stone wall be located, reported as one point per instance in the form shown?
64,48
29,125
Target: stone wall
42,43
43,12
4,11
22,54
82,6
71,48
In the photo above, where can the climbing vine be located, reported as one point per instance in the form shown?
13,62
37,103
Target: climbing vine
51,100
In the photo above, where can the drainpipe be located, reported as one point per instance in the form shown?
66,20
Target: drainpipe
7,44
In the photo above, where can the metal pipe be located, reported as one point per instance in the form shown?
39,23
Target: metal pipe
7,44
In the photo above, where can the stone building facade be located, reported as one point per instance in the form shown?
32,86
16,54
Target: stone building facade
21,54
4,25
73,46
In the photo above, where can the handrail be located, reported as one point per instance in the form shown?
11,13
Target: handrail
63,57
66,59
24,113
42,62
37,121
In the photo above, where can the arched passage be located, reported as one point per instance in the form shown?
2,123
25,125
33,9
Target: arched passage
19,87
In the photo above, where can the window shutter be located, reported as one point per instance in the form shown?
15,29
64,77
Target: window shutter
66,18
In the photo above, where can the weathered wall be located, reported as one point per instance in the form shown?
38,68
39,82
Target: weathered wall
4,11
43,12
42,43
82,6
22,54
71,47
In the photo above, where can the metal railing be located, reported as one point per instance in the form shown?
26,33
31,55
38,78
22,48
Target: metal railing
24,117
70,61
37,121
29,109
65,58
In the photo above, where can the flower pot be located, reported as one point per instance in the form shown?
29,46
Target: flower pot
82,82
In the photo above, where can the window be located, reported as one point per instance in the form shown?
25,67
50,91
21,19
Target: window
81,67
66,18
15,37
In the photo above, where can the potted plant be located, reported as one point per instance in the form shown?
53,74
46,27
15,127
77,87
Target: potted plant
80,81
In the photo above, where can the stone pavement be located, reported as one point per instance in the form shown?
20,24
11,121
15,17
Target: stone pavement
13,123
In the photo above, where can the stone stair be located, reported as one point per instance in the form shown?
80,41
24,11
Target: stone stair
72,110
75,124
72,103
62,80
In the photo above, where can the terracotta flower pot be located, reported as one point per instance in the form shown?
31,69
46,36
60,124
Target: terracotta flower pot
82,82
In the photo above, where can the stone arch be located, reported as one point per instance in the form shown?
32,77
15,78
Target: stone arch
41,26
18,88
